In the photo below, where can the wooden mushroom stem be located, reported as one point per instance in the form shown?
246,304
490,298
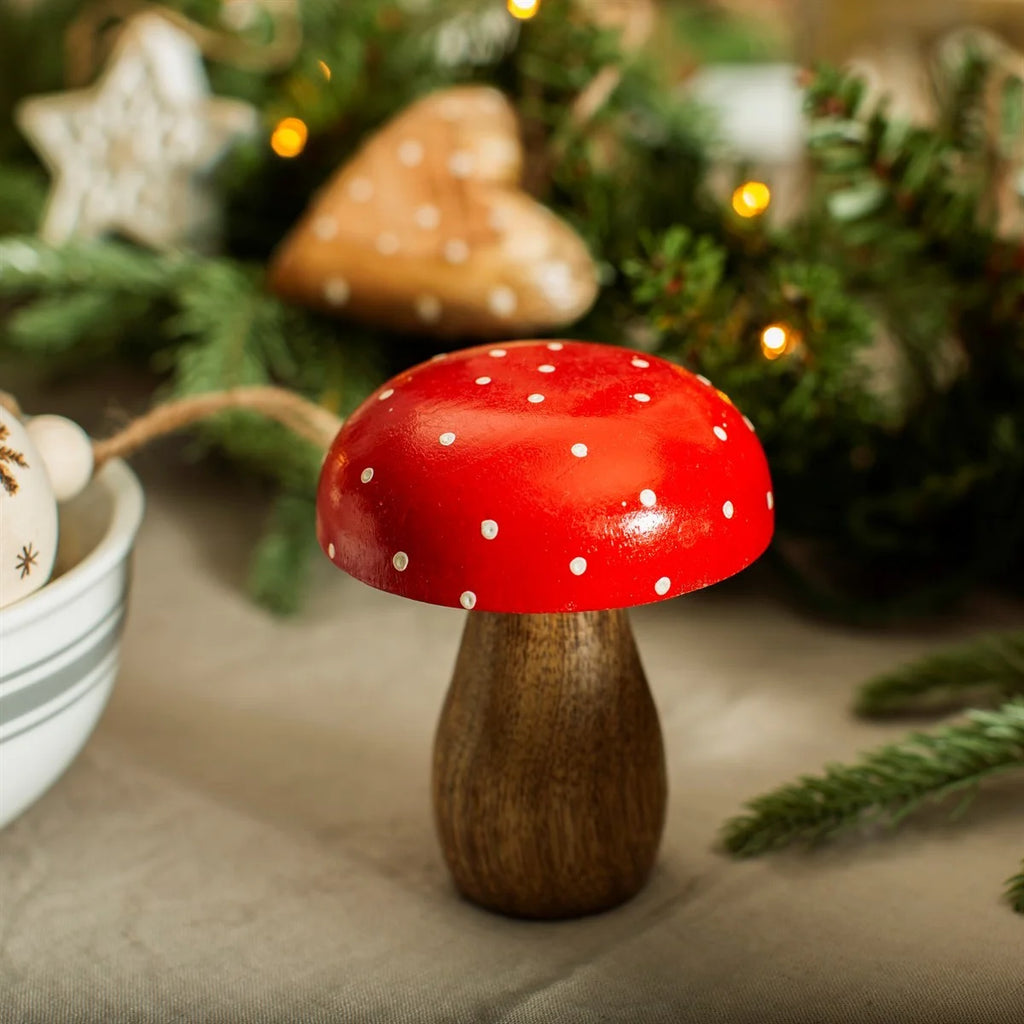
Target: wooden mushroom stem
549,772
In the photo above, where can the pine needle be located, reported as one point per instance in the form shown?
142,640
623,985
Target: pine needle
885,785
985,670
1015,890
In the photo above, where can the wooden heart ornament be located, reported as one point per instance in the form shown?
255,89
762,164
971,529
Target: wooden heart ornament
426,229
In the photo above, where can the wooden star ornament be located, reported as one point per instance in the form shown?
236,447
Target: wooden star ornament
129,154
426,229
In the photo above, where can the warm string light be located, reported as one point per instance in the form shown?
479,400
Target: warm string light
778,339
751,199
289,137
325,69
523,9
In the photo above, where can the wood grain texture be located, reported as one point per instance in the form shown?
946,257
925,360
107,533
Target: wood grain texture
549,772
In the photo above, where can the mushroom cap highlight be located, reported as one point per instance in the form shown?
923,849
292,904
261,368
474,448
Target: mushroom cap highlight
545,476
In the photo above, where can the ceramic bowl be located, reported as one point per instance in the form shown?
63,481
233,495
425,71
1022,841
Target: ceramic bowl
60,647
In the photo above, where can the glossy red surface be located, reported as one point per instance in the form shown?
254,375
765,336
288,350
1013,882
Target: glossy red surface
543,476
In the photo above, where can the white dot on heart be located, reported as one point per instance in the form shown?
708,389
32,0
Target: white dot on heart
546,368
410,153
502,301
461,163
367,475
325,227
482,380
467,599
456,251
447,438
579,450
385,394
728,510
578,566
360,190
535,399
337,291
400,561
427,216
641,397
428,308
648,498
640,364
721,434
661,587
489,529
497,353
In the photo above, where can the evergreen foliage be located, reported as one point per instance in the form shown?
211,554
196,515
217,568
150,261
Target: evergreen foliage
895,490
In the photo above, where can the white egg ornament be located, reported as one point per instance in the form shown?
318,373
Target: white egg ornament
28,514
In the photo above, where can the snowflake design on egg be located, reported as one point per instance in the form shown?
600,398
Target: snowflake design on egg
9,457
27,559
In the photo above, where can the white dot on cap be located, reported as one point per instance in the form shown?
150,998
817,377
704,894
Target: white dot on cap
461,163
497,353
410,153
447,438
641,364
771,500
703,379
400,561
427,216
385,394
456,250
555,346
428,308
641,397
578,566
721,434
367,475
467,599
661,587
535,399
325,227
388,243
579,450
489,529
360,190
502,301
482,380
330,550
727,510
747,420
337,291
648,498
546,368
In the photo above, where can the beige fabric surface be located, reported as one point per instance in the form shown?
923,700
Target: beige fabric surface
247,836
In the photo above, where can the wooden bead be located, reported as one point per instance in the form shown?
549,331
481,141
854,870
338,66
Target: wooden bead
549,775
66,449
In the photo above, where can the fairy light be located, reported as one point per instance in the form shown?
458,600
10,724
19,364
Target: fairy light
289,137
523,9
325,69
777,340
751,199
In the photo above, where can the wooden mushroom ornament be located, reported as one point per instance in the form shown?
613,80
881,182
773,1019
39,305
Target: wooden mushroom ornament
427,230
546,487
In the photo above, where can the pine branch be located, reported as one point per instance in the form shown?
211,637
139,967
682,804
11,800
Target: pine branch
989,668
280,565
885,785
1015,890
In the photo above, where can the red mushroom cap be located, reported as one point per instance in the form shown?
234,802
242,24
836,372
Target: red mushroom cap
545,476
